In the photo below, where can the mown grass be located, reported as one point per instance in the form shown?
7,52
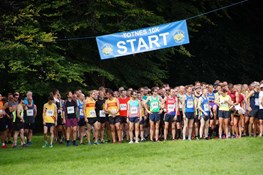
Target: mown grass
233,156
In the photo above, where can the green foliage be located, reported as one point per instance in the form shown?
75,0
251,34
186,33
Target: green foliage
33,56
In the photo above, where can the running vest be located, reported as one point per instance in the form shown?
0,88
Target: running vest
196,99
154,104
189,103
70,109
90,108
170,105
233,96
142,109
123,106
80,107
59,105
112,105
180,100
223,103
16,119
254,102
205,105
100,108
49,115
29,114
134,108
211,96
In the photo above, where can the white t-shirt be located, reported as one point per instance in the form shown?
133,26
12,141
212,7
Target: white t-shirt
260,99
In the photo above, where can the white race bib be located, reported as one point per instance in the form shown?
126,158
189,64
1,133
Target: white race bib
206,107
154,105
70,110
92,113
1,111
30,112
171,108
256,102
81,112
102,113
123,107
60,111
134,110
50,113
190,104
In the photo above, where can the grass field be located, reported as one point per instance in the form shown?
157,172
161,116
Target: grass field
233,156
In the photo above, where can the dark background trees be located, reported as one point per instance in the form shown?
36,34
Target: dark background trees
36,52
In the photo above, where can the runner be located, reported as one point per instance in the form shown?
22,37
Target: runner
260,112
70,110
134,116
204,108
142,122
60,124
3,118
30,115
124,126
180,96
197,95
188,112
253,107
154,112
170,105
18,120
81,118
112,108
101,115
212,97
9,118
49,120
91,118
224,102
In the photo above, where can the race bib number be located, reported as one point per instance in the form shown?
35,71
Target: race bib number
154,105
171,108
102,113
256,102
190,104
92,113
50,113
206,107
30,112
123,107
134,110
81,112
70,110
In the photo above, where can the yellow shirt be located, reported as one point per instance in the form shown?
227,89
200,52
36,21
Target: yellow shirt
112,105
224,106
90,108
50,113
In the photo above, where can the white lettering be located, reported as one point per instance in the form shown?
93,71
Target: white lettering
131,41
164,35
153,39
142,44
121,45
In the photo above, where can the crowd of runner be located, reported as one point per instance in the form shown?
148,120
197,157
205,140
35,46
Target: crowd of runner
199,111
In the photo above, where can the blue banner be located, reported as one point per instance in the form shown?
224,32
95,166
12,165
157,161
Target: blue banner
143,40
